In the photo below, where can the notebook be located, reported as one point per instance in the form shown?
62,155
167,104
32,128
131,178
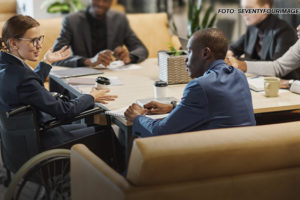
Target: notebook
256,83
73,72
142,102
120,113
166,100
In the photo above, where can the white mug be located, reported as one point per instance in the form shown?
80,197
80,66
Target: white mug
271,85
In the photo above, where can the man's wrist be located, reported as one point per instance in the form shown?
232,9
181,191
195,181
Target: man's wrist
87,62
243,66
291,82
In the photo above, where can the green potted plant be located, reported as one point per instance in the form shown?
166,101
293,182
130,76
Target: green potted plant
195,8
62,6
172,66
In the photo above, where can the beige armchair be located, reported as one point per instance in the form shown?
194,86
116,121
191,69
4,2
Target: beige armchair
249,163
8,8
116,6
154,31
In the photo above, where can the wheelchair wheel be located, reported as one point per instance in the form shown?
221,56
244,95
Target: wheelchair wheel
45,176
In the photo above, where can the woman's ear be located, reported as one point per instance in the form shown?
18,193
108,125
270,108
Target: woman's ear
13,43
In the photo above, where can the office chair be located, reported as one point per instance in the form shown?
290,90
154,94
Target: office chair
20,141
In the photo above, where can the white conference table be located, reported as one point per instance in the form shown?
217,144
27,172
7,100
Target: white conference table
138,84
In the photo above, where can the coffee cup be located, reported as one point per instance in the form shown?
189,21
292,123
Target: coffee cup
271,85
102,82
160,89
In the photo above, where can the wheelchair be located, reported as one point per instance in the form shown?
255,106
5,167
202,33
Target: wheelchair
20,141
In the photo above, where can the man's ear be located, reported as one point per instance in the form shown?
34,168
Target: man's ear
206,52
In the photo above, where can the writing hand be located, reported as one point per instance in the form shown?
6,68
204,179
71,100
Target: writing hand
104,57
122,54
155,107
133,111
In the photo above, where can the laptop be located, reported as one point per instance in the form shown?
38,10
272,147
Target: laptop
183,42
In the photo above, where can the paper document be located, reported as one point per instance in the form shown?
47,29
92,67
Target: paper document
114,80
118,65
256,83
120,113
78,71
166,100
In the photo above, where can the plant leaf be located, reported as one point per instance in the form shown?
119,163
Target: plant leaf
206,17
212,21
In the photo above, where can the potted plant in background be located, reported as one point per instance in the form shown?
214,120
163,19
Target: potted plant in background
171,63
62,6
195,8
172,66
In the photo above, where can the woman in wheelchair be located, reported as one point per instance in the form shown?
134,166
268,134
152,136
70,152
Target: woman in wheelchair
20,85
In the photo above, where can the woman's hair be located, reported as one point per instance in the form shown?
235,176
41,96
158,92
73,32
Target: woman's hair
16,27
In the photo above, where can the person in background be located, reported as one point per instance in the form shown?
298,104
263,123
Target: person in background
267,37
97,35
281,67
20,85
217,97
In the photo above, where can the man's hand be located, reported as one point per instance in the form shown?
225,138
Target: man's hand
232,61
229,54
104,57
155,107
298,31
122,54
284,84
59,55
101,96
133,111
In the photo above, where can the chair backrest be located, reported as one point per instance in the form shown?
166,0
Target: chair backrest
87,168
19,138
153,30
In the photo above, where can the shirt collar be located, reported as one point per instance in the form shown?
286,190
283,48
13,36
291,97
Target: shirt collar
264,24
21,60
215,63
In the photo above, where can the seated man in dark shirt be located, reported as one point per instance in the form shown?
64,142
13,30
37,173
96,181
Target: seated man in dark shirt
217,97
267,37
97,35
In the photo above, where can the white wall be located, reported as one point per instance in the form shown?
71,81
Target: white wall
33,9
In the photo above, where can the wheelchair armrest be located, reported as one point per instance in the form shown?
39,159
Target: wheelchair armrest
18,110
84,114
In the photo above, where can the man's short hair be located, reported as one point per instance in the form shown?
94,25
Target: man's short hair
263,2
212,38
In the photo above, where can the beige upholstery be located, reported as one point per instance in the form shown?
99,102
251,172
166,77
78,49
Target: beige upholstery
260,162
151,28
8,8
117,7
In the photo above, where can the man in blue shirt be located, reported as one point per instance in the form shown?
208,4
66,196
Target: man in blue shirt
217,97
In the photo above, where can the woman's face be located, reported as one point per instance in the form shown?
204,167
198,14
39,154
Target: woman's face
29,46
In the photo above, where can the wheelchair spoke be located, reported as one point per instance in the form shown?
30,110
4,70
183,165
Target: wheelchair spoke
48,178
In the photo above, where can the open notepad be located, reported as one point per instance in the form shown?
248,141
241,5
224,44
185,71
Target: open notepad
256,83
120,113
142,102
